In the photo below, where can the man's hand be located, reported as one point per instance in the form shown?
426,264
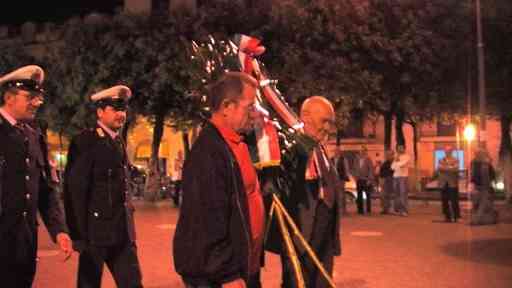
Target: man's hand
65,245
238,283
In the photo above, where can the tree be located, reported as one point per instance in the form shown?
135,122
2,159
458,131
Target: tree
12,57
148,54
406,49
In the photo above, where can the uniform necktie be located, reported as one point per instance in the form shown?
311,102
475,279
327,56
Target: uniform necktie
327,185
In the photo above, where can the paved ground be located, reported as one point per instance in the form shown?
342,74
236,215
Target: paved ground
378,251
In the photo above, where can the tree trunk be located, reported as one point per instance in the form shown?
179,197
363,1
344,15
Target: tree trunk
60,165
153,181
415,141
506,154
506,142
415,147
130,121
186,143
400,139
388,122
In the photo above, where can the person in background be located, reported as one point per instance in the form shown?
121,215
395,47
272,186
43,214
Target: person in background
363,172
342,169
400,167
176,178
448,180
386,174
482,175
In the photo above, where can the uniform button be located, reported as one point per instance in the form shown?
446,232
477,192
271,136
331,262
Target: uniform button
27,161
24,213
27,196
27,177
96,214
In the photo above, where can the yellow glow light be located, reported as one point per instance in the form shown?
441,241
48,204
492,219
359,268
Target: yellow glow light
470,132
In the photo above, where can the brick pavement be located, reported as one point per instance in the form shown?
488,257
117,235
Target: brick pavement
419,251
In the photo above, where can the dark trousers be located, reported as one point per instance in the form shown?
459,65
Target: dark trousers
254,282
450,198
366,186
121,260
176,196
322,243
18,260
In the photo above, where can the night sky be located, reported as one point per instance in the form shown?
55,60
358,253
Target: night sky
53,11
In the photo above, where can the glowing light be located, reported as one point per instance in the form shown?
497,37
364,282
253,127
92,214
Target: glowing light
470,132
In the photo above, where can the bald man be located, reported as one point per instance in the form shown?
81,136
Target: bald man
314,202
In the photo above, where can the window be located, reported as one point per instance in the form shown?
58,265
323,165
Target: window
458,154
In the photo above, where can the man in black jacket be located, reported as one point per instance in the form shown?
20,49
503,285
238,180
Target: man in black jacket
99,211
219,235
25,184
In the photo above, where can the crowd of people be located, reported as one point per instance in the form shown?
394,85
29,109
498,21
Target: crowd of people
219,237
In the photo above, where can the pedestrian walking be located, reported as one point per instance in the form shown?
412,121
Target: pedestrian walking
482,175
219,235
99,209
25,179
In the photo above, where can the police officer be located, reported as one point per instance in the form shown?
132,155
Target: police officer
99,211
25,186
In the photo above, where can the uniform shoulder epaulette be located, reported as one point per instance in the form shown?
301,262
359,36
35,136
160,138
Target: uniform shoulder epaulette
100,132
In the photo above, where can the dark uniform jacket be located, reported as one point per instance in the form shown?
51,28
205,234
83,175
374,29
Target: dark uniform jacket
301,204
25,187
211,243
99,211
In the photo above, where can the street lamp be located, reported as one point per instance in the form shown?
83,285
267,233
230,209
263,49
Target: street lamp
469,132
469,136
481,72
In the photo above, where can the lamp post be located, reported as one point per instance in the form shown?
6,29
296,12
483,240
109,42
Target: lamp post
481,73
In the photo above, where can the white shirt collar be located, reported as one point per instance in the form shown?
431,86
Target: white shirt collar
8,117
109,131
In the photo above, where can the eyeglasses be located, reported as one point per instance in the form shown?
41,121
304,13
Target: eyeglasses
28,85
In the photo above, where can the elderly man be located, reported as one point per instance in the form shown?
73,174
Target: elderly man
25,184
99,211
314,202
449,184
219,235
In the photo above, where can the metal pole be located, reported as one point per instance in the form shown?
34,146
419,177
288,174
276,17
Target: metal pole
481,73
